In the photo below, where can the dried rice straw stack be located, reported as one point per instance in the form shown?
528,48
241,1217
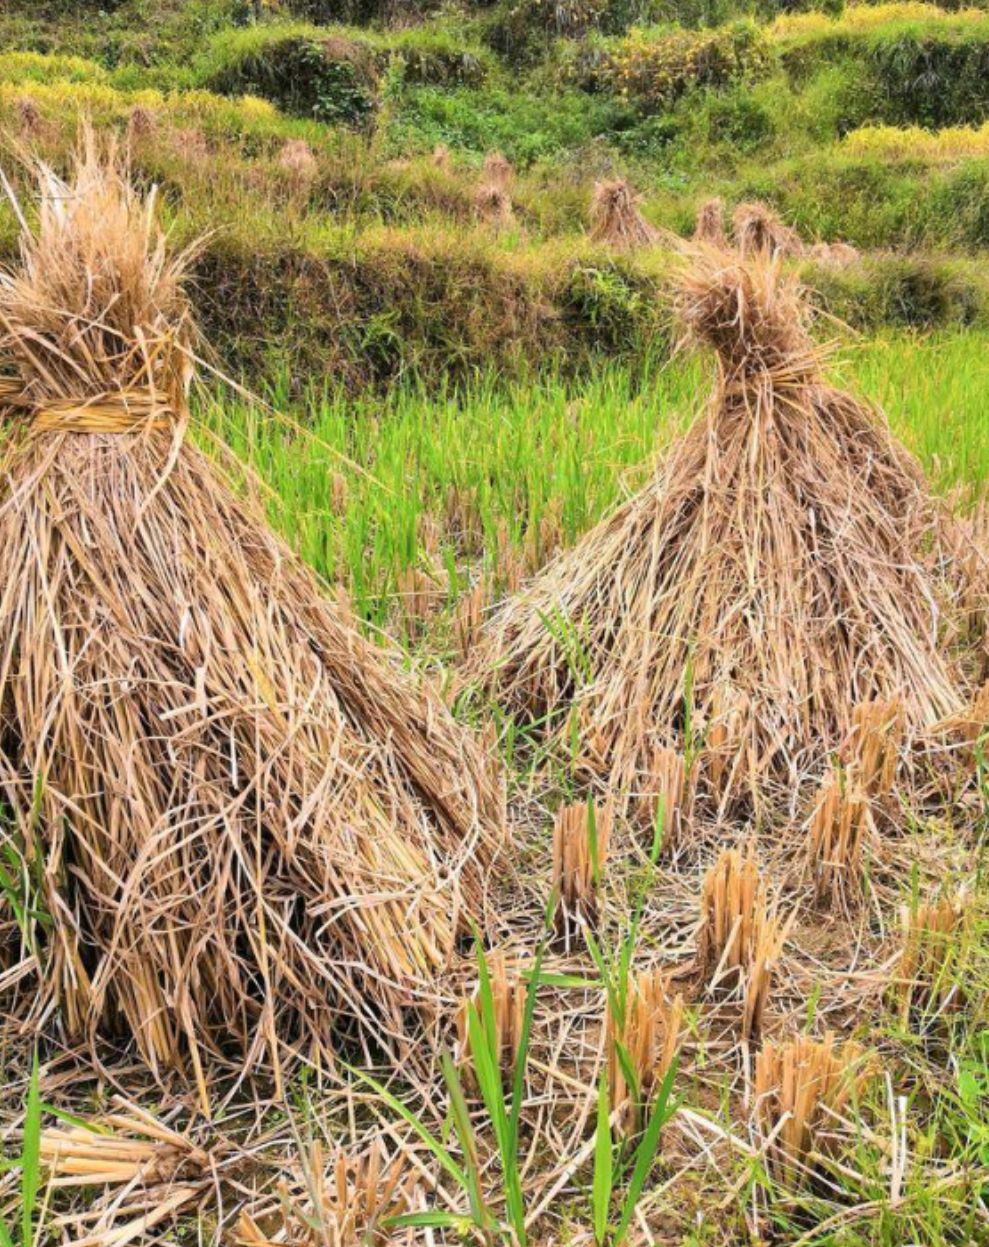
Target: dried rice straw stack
710,224
615,218
776,565
758,230
248,826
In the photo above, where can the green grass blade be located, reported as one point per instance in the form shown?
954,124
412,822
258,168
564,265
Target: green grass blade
432,1143
31,1156
645,1154
603,1165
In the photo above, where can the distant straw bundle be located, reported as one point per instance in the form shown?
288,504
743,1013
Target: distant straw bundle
780,555
246,824
30,122
297,162
615,218
493,205
833,254
759,231
497,171
710,225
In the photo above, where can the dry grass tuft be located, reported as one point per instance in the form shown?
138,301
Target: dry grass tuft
468,615
759,231
844,816
931,944
615,218
710,225
644,1041
833,254
801,1086
740,939
781,553
297,161
836,836
493,205
667,801
254,828
348,1203
871,751
581,834
497,171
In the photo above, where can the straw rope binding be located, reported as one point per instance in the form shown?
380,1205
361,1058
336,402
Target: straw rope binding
124,412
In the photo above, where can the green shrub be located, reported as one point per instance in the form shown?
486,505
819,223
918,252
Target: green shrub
654,71
334,74
922,80
911,69
525,127
914,292
737,118
327,77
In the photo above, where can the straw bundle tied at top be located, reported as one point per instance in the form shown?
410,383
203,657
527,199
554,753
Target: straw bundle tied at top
248,825
775,570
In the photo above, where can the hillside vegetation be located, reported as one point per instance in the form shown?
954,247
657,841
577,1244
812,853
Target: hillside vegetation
335,150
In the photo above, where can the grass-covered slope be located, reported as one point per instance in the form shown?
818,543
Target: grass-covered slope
302,136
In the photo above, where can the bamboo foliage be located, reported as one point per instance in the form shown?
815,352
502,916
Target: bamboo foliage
801,1085
740,939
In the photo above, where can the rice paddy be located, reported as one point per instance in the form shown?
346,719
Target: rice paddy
542,802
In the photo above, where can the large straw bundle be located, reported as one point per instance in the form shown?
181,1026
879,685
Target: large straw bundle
773,570
615,218
247,824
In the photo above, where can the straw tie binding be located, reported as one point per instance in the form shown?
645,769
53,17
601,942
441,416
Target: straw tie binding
127,411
